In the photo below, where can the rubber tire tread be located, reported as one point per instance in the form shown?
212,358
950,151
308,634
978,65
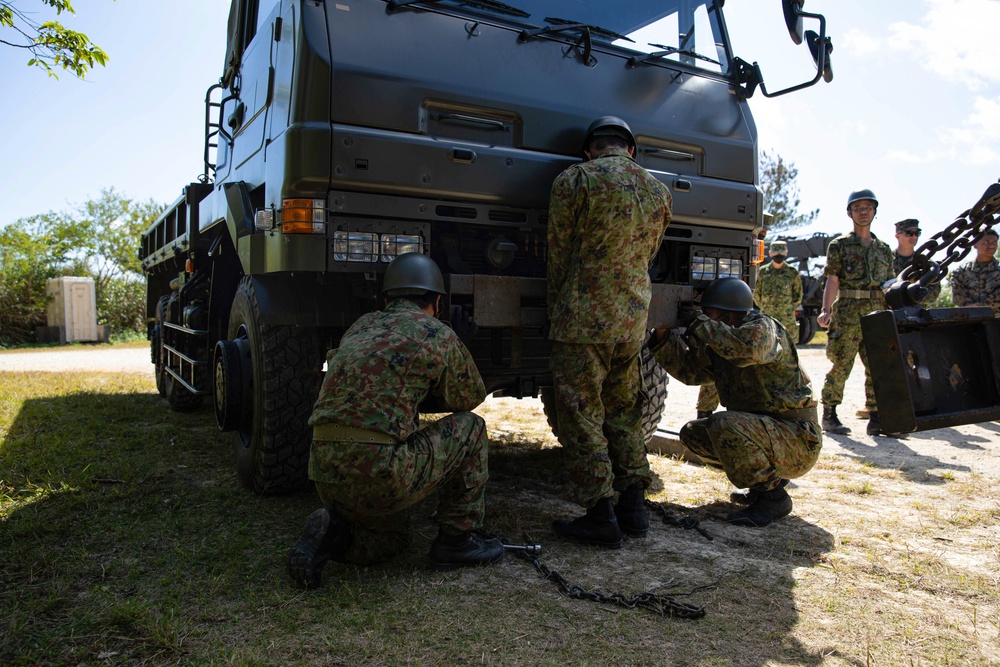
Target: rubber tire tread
286,368
807,329
156,346
656,381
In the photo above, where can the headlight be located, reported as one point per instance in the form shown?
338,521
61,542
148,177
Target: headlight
397,244
703,268
730,268
355,247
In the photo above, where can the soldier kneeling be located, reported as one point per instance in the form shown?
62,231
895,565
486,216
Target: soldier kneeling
369,461
769,432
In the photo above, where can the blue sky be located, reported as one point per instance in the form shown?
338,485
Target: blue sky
913,111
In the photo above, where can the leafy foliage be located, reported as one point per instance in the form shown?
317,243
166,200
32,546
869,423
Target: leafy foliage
781,194
51,44
98,240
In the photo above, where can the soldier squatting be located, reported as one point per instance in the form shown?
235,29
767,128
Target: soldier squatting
371,463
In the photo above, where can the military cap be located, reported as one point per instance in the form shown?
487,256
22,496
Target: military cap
909,223
779,248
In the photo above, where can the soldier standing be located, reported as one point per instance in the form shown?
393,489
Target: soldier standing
857,265
607,217
368,459
978,283
779,289
907,236
768,433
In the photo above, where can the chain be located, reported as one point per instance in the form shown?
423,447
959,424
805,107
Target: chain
687,522
662,605
957,239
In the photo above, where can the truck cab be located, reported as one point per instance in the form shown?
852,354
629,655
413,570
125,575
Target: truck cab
341,134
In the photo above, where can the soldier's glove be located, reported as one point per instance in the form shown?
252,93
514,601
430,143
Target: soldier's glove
463,324
686,315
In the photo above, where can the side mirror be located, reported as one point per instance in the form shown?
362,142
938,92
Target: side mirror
822,59
793,18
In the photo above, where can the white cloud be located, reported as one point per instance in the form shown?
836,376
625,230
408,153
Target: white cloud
976,140
859,43
956,39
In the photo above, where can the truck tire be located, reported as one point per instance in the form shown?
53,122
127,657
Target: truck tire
156,346
807,329
656,381
273,438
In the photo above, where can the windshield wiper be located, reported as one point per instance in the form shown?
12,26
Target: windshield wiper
491,5
635,61
562,25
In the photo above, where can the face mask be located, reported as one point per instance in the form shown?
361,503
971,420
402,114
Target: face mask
778,258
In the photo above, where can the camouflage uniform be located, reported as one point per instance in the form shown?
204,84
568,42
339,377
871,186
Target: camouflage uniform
388,364
607,217
769,430
899,263
977,282
779,293
859,269
708,398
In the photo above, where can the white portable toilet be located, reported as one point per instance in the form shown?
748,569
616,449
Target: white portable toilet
72,308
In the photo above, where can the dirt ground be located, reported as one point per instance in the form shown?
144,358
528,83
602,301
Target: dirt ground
890,555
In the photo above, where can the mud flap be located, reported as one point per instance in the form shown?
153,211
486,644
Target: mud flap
933,368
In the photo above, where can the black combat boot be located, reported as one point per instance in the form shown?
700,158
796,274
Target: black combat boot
875,427
326,536
765,508
747,496
631,512
704,414
451,551
831,423
598,526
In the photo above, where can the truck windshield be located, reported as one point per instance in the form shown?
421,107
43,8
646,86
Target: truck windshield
683,31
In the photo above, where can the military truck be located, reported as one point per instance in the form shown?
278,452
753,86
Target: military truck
341,134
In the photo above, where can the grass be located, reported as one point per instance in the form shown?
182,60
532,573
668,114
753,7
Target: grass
126,539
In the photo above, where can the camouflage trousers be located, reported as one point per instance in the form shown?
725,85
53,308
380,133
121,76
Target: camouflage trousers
373,485
755,451
786,318
708,398
598,394
843,345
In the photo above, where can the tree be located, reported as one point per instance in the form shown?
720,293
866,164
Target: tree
98,240
781,194
50,43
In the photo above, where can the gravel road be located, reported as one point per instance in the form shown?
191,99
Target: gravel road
79,358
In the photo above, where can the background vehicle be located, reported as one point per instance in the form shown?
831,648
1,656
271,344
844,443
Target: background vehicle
342,134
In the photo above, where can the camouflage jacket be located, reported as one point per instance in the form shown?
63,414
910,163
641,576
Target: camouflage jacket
899,263
387,364
977,283
856,266
755,366
778,291
606,221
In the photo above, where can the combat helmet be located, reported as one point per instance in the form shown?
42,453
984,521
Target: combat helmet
609,126
728,294
858,195
412,273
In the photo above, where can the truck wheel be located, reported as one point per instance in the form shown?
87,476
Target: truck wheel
656,380
273,436
156,346
807,329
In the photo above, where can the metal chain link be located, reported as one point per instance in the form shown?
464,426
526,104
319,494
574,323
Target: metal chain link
958,238
662,605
